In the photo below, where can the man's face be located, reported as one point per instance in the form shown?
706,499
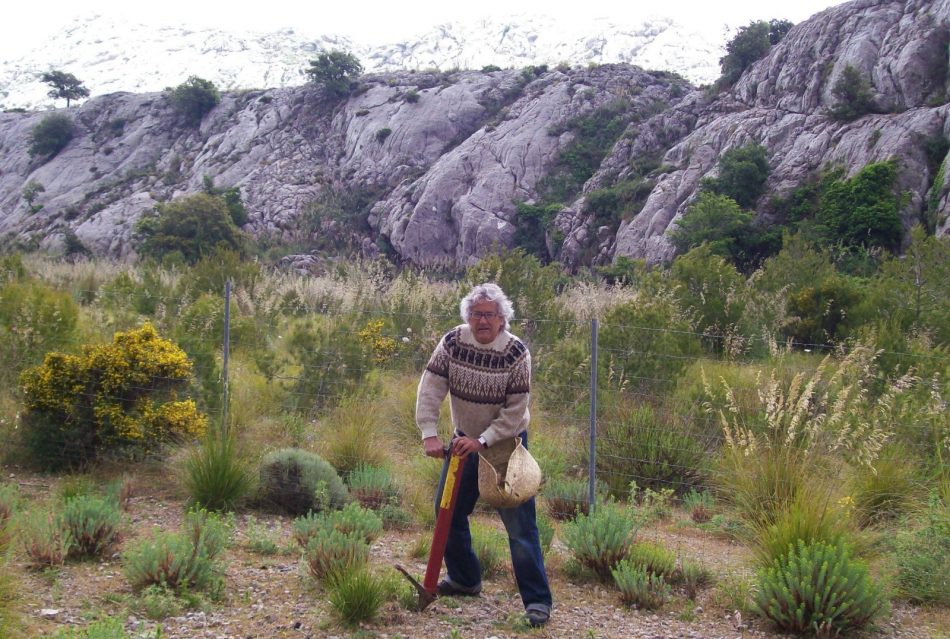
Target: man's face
485,321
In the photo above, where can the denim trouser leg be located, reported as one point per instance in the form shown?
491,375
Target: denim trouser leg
523,540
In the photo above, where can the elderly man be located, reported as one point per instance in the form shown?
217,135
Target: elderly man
486,371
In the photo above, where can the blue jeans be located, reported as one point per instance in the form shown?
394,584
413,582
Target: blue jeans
520,522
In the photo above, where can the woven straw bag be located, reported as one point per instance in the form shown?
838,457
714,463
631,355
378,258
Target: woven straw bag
508,475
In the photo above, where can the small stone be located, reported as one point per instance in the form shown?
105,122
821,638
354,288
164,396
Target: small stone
49,613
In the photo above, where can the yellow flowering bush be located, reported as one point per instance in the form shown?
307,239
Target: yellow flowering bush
371,336
123,394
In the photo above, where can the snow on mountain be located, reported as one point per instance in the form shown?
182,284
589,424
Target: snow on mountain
110,55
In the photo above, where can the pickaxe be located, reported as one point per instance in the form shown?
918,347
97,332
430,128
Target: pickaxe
445,497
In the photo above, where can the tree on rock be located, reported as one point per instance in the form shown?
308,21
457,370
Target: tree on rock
65,85
750,44
194,226
194,98
336,72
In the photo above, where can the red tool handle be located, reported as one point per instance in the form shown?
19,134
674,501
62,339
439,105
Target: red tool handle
443,522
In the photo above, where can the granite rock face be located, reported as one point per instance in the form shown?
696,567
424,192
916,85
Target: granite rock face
437,162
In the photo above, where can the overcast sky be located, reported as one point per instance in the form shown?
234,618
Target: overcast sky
29,21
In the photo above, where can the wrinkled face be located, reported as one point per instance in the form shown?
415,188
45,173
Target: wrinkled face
485,321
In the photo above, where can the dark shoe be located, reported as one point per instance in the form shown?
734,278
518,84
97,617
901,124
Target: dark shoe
446,588
537,615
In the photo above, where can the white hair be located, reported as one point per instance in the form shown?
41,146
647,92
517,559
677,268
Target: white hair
488,292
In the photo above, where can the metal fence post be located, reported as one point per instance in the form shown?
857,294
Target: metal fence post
592,469
226,351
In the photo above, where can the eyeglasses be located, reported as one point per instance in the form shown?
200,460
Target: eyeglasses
477,315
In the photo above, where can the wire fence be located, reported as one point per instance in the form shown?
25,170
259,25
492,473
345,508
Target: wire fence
618,409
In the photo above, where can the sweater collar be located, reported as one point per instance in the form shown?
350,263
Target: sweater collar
498,344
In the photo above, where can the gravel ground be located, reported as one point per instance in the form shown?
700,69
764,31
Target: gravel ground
270,596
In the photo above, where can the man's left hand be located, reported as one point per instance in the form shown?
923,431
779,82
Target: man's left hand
464,446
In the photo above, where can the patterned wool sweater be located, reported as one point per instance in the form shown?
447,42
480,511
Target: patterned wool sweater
488,386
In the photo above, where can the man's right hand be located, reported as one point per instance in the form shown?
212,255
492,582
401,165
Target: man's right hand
434,448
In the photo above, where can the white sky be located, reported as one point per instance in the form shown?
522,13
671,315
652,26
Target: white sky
26,22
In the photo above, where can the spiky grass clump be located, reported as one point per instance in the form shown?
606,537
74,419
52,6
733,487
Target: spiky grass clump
888,491
564,499
693,576
92,524
638,587
44,539
491,548
700,505
601,540
9,501
331,553
545,531
349,429
9,595
372,486
215,475
356,595
818,588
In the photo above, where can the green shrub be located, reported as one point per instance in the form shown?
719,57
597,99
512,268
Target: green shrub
108,628
751,43
864,210
650,446
923,556
491,548
700,505
307,527
357,596
356,521
34,319
742,175
638,587
599,541
215,475
822,312
118,395
545,531
382,134
191,227
693,576
620,202
653,558
45,541
330,553
565,498
51,135
183,561
336,72
9,502
372,486
818,587
296,481
194,98
92,524
853,96
729,231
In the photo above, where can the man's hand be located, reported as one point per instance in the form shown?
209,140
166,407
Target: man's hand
464,446
434,448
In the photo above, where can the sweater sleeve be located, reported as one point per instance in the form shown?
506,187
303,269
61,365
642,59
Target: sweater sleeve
514,416
433,387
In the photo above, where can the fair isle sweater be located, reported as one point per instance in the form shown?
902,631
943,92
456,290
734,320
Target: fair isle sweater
487,384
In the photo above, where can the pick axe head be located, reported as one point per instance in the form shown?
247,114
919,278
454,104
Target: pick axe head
425,597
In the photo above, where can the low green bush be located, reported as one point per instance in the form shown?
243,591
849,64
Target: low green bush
565,498
330,553
51,135
600,540
818,588
372,486
653,558
356,521
700,505
693,576
295,481
638,587
491,548
108,628
545,531
45,541
92,524
923,556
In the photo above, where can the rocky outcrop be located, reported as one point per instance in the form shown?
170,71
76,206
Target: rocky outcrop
782,101
434,164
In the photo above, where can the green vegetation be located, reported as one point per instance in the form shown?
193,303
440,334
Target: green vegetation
853,96
190,228
335,72
742,174
750,44
51,135
639,587
295,481
601,540
65,86
194,98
